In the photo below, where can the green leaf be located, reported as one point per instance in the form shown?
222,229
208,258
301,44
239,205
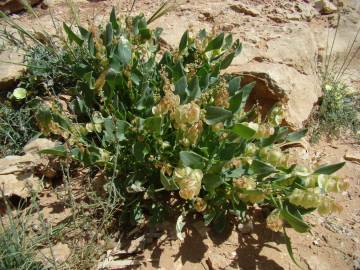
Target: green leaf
330,169
228,42
153,124
121,127
216,43
19,93
180,223
295,136
72,36
55,151
183,41
234,85
124,52
216,114
194,88
238,101
181,87
260,167
294,221
108,34
145,33
238,172
168,182
227,61
139,151
289,248
192,160
113,19
212,181
88,77
243,131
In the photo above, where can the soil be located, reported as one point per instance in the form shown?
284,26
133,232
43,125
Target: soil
334,242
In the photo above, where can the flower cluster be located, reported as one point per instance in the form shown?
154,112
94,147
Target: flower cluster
189,182
313,198
274,156
274,221
248,184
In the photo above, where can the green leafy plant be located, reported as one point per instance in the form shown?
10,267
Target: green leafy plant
338,109
172,133
338,112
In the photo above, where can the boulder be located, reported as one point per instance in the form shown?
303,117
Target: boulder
10,73
18,173
13,6
17,177
278,82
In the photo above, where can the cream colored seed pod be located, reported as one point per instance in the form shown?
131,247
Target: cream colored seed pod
200,205
274,221
189,181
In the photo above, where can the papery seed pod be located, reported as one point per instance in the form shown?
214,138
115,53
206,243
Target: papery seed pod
189,181
333,183
217,127
256,198
311,181
277,115
90,127
244,182
250,150
300,170
233,163
274,222
187,193
264,130
327,206
200,205
194,132
310,198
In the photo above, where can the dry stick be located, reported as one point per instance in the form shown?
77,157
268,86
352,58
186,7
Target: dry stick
332,47
343,67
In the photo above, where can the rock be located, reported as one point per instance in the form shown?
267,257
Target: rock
277,82
10,73
353,157
13,6
39,144
217,261
356,264
59,253
17,177
325,7
241,8
246,228
317,263
17,173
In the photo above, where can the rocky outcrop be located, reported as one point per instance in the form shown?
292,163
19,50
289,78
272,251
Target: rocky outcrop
18,174
13,6
10,70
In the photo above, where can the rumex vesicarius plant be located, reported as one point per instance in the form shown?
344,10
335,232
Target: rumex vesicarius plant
172,134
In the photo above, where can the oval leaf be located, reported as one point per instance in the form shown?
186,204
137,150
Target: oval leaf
329,169
216,114
192,160
19,93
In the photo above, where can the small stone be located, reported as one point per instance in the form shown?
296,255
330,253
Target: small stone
246,228
353,157
326,7
60,253
356,264
241,8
